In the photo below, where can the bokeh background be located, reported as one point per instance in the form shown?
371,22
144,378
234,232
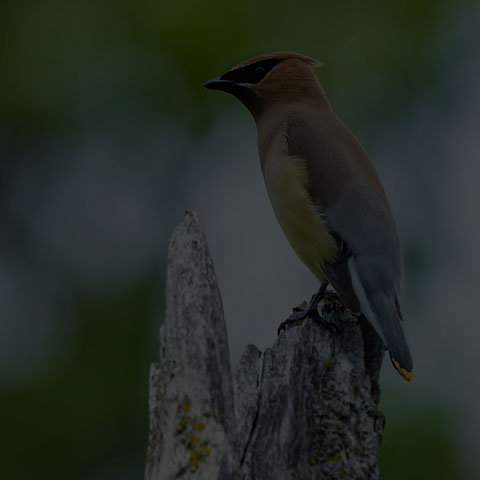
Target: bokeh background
107,136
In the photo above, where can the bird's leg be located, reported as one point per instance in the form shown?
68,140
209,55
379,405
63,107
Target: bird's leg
311,311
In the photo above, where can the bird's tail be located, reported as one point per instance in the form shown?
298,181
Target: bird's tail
388,318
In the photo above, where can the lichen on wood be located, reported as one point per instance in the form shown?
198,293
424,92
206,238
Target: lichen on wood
305,408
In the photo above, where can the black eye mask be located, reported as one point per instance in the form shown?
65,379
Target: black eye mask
252,73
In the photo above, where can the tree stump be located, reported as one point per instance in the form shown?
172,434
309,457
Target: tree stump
306,408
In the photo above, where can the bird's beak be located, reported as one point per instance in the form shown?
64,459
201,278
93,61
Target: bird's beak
218,84
242,90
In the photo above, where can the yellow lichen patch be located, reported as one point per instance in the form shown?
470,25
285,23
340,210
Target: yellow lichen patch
193,460
186,405
335,458
189,428
315,457
204,449
182,424
198,453
185,419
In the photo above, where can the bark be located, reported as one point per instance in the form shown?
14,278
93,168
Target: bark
306,408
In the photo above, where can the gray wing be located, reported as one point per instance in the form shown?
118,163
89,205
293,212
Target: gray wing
361,218
368,271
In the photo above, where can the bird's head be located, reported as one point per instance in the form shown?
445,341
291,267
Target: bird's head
269,79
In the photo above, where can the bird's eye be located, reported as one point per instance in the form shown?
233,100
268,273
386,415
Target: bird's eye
253,73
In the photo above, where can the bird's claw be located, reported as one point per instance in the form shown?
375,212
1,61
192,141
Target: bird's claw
300,314
294,319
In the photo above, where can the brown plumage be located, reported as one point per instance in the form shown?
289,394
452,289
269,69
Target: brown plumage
324,190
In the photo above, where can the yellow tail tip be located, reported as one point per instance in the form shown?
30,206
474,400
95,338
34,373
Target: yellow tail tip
404,373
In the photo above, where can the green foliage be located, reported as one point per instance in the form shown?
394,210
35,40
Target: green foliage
418,444
64,61
90,411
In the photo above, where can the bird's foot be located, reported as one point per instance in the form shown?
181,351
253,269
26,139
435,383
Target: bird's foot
298,316
300,313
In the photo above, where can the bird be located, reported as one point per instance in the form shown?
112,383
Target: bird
325,193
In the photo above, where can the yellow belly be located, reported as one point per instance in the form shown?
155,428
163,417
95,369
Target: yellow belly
286,179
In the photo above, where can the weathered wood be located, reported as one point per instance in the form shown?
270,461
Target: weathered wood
305,409
191,394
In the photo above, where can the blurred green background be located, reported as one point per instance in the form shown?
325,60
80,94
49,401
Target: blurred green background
104,125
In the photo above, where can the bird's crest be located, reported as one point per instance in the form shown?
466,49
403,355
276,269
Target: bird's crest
280,56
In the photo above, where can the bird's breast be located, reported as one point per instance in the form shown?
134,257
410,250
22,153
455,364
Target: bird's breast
287,179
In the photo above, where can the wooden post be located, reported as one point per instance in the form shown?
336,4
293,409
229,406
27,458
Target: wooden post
304,409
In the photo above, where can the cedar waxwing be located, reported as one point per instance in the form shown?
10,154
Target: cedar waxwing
325,192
